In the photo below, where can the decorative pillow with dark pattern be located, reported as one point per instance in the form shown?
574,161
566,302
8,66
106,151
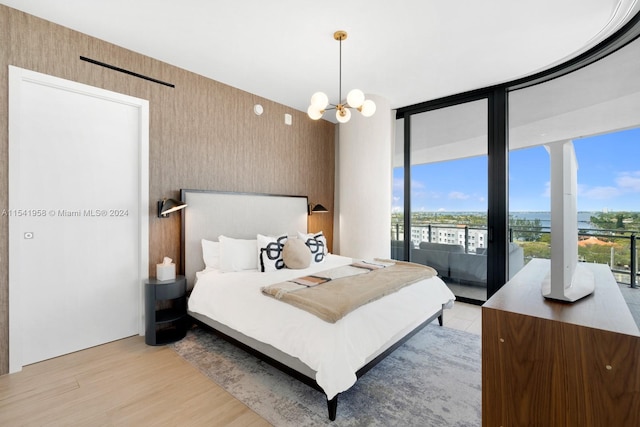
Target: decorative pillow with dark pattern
270,255
317,244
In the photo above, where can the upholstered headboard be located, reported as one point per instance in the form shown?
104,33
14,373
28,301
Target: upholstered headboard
210,214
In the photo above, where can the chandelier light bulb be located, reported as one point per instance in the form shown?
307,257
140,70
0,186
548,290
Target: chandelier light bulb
343,114
314,113
319,100
355,98
368,108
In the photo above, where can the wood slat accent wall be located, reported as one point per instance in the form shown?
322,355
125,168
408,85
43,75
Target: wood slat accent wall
203,134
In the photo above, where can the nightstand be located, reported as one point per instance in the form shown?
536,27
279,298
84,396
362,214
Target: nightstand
165,310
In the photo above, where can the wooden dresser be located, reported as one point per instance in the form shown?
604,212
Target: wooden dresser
548,363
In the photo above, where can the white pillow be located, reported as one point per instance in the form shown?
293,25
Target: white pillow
237,254
270,252
317,244
211,254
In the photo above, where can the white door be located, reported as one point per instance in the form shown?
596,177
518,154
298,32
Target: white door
78,222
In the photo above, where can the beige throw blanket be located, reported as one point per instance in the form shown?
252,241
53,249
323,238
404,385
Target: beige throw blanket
332,294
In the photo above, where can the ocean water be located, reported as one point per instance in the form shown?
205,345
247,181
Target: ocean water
584,218
545,218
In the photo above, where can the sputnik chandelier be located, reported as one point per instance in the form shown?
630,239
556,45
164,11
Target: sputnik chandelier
355,98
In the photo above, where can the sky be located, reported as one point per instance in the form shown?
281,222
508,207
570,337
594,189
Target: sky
608,179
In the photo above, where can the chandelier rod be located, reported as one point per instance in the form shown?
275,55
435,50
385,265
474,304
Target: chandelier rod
340,75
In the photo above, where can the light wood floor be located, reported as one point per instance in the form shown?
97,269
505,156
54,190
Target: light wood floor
123,383
127,383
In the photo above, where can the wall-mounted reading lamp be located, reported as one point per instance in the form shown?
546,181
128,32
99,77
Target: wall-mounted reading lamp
311,209
166,206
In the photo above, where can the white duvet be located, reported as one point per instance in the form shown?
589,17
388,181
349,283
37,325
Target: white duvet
334,350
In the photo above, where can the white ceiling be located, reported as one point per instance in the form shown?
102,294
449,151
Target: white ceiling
601,98
406,51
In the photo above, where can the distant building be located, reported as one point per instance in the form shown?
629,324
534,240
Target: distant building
450,235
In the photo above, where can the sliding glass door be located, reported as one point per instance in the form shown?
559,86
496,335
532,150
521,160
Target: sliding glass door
448,195
398,196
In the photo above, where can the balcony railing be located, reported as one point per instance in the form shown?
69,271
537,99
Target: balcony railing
621,244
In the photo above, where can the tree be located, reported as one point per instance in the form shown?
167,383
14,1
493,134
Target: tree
527,230
619,221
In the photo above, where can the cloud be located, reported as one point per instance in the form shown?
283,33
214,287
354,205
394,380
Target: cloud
417,188
417,185
398,184
458,195
629,181
625,183
599,193
547,189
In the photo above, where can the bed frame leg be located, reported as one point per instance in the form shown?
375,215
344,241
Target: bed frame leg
332,405
440,319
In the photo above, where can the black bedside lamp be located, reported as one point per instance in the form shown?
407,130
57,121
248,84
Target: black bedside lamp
166,206
316,209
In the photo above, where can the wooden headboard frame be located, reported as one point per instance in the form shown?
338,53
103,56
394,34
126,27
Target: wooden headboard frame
210,214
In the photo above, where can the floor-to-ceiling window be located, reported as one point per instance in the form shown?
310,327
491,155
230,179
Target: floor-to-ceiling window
595,111
592,100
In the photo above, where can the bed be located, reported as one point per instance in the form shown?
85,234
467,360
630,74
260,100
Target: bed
327,356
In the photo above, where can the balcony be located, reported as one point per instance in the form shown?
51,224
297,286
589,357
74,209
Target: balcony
616,248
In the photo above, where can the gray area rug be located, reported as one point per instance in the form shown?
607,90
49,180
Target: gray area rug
432,380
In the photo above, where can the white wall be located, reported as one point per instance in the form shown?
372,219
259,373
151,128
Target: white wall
363,184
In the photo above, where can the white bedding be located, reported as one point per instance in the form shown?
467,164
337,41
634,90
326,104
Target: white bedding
334,350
